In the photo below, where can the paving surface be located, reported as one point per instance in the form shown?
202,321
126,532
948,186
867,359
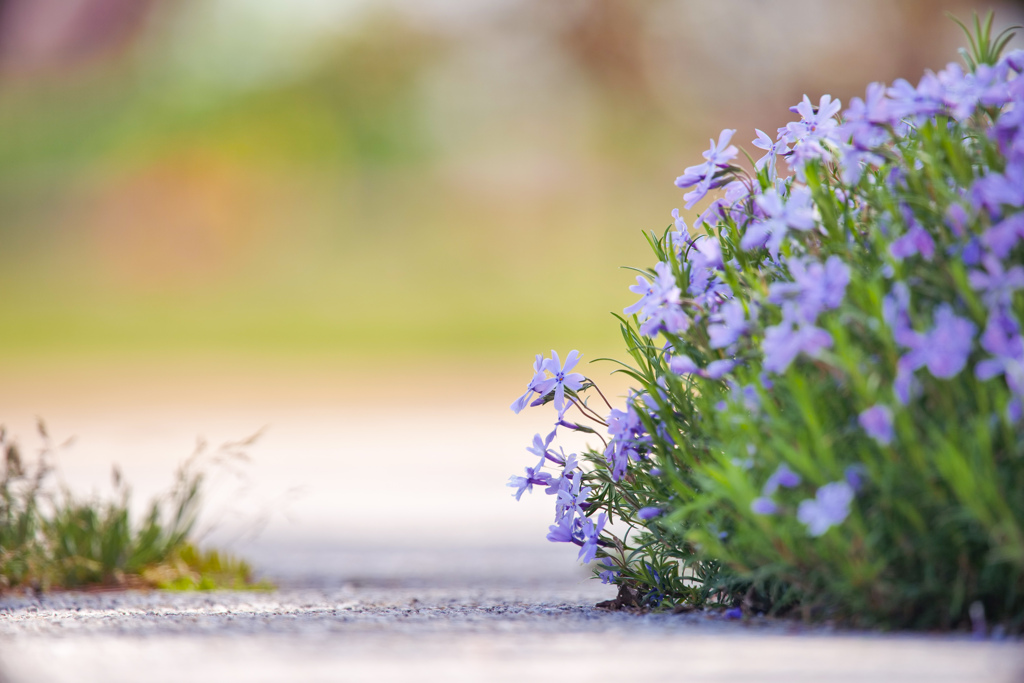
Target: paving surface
369,633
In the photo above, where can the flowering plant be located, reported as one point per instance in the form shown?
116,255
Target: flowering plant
829,370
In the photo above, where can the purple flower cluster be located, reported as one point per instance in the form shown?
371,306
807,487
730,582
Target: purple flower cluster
816,287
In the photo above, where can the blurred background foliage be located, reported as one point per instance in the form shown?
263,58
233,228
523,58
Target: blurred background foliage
424,179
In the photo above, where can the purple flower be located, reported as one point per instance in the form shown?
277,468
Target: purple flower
591,537
943,349
610,574
855,475
829,507
702,177
562,531
646,513
997,284
540,447
773,150
915,104
877,422
660,303
915,241
563,378
681,233
1002,237
994,191
764,506
571,496
730,323
815,288
538,376
949,343
782,476
533,476
796,212
717,369
684,365
782,343
957,219
815,127
733,613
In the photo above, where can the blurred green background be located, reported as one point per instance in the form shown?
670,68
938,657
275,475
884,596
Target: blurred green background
432,180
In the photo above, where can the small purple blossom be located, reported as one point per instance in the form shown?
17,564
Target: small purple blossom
702,177
943,349
783,476
562,378
646,513
538,376
533,476
829,507
764,506
733,613
778,217
591,537
730,323
877,422
782,343
915,241
562,531
855,476
773,149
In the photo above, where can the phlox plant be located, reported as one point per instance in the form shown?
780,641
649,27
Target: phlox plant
829,371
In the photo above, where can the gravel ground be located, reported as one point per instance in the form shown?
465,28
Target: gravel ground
375,633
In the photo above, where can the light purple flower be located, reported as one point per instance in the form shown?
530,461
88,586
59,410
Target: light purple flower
610,574
533,476
717,369
660,303
729,324
778,217
943,349
646,513
682,364
994,191
877,422
815,288
1002,237
773,149
681,234
563,378
855,476
591,537
915,241
782,343
562,531
998,284
782,476
764,506
702,177
829,507
538,376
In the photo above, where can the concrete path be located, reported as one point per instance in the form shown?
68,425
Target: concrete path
447,634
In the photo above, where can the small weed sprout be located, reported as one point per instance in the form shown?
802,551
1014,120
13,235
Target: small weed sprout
51,539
